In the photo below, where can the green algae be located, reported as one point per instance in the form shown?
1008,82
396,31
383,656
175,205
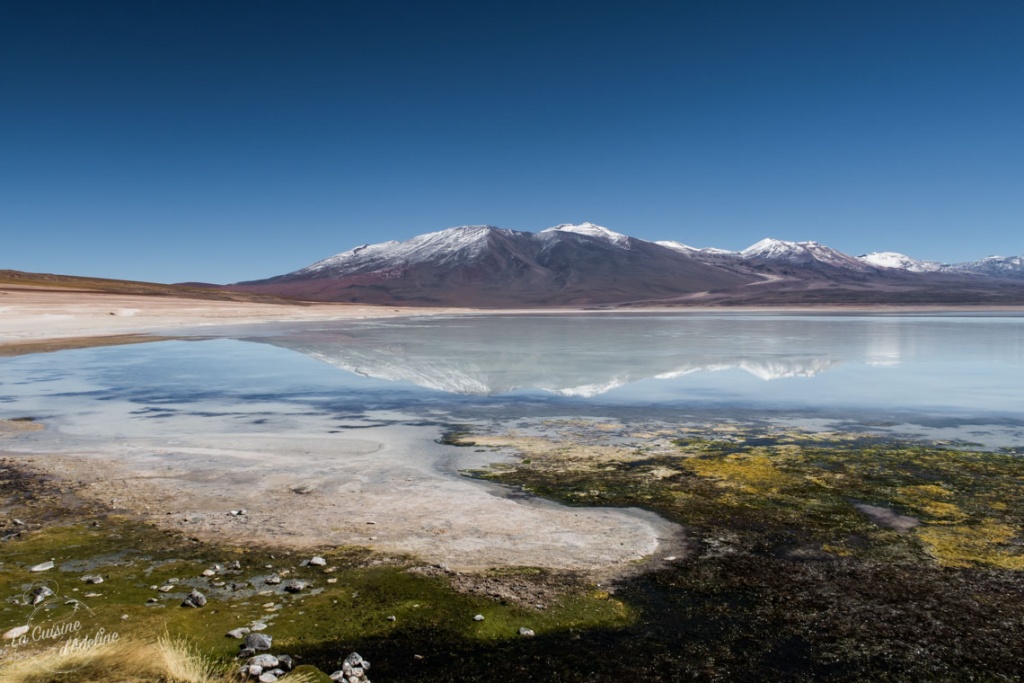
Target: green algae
358,596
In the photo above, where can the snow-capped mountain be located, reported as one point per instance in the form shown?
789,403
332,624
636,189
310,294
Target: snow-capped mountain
1011,267
586,264
800,254
892,259
581,264
592,230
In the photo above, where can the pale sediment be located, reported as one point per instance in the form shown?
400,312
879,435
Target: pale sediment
383,490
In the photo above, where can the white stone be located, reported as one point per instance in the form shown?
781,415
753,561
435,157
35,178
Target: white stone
15,632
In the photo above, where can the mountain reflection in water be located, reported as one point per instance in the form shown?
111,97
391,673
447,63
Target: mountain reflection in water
589,355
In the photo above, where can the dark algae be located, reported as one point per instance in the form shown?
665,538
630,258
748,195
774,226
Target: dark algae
814,557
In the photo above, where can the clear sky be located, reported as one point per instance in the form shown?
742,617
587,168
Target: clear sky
219,141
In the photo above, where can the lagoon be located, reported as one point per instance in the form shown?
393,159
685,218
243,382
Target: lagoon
937,376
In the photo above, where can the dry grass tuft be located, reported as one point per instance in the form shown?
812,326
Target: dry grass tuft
132,661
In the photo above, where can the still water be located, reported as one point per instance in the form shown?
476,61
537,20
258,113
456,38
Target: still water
959,377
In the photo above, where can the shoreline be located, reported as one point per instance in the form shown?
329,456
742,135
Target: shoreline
40,320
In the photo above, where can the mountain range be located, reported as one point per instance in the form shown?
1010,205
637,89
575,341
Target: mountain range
592,266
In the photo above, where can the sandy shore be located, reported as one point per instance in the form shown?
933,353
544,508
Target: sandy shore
33,315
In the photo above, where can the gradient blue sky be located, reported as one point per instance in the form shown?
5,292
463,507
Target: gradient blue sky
219,141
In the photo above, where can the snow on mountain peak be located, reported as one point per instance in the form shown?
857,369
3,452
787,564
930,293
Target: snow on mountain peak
591,230
772,248
677,246
441,242
800,252
892,259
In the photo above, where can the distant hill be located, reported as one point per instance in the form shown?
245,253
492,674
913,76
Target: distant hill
16,279
592,266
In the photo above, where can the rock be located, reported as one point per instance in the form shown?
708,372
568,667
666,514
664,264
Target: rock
254,670
296,586
166,589
194,599
237,633
392,617
272,580
478,617
267,677
209,572
234,565
317,561
93,579
152,600
258,642
15,632
42,567
526,632
264,661
40,593
257,626
286,662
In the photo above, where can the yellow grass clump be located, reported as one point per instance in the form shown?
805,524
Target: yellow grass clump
124,661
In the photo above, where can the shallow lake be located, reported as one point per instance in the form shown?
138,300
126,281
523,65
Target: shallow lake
957,377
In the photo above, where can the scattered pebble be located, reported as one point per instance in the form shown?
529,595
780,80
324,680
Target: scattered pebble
258,642
15,632
194,599
478,617
42,567
40,593
526,632
353,670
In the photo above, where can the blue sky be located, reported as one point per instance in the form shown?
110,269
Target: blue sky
220,141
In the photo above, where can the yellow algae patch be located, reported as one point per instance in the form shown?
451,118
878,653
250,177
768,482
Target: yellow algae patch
963,545
931,501
748,472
